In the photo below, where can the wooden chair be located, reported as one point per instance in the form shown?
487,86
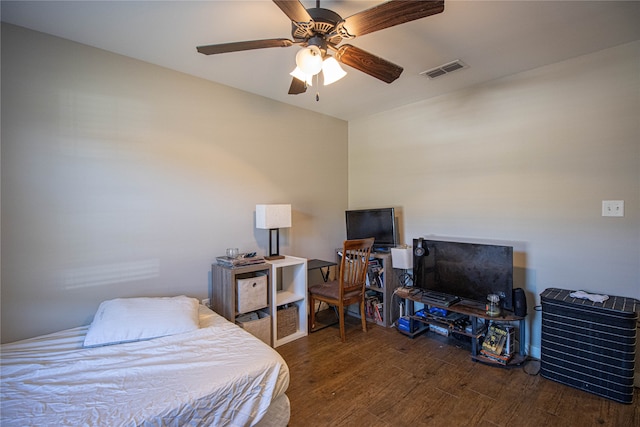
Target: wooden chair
349,287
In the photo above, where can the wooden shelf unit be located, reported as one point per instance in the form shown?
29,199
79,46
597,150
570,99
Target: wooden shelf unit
289,278
223,294
286,286
390,282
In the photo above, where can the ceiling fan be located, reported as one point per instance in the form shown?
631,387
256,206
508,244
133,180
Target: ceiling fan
320,30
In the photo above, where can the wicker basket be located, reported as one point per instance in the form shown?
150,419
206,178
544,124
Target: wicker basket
287,321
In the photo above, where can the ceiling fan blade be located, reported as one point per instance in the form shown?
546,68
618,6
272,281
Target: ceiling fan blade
297,87
368,63
389,14
294,10
213,49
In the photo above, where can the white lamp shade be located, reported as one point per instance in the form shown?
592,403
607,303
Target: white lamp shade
332,71
273,216
300,75
309,60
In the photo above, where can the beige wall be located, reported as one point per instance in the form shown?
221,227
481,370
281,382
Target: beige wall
120,178
525,160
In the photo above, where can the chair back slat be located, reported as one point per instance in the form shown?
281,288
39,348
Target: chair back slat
354,264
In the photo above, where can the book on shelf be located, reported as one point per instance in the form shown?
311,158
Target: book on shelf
374,273
378,312
494,340
502,359
370,307
374,308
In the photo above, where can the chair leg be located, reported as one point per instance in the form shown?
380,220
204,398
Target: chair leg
363,316
342,334
312,312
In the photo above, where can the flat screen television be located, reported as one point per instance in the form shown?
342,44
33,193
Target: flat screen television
379,223
467,270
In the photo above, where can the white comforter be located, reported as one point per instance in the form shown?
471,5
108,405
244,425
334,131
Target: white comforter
218,375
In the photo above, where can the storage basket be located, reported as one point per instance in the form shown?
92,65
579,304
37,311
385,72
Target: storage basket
252,294
257,324
287,321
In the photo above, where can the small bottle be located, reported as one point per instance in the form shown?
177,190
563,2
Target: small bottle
493,308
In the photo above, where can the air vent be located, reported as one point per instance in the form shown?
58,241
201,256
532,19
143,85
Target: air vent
444,69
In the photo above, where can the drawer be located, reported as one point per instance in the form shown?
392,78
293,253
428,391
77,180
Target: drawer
252,294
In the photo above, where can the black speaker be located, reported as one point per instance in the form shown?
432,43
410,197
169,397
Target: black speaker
519,302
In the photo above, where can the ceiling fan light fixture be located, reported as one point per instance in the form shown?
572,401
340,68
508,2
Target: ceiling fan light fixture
317,30
332,71
300,75
309,60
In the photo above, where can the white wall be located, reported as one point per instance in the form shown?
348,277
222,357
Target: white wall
120,178
526,159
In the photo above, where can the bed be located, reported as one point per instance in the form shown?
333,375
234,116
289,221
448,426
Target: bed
217,374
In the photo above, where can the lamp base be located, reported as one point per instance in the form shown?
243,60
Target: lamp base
273,255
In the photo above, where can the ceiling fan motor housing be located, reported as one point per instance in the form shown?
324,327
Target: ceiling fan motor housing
324,22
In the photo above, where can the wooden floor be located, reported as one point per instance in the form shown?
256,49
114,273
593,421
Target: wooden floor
382,378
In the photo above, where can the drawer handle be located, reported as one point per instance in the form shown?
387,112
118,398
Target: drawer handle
254,284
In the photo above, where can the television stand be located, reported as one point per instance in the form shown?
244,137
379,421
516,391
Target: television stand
419,324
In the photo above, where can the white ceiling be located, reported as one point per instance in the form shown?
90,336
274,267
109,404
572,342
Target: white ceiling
494,38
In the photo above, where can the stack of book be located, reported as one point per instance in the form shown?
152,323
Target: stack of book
495,346
373,308
379,312
374,273
239,261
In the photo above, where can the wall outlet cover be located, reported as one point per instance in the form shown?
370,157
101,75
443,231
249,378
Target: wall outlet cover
613,208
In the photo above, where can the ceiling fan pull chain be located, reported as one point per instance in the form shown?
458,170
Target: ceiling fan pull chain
318,86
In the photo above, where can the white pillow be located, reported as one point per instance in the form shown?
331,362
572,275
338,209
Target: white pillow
132,319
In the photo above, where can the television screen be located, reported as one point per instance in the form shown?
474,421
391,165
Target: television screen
467,270
378,223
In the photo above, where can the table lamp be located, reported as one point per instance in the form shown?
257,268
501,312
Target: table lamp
273,218
402,258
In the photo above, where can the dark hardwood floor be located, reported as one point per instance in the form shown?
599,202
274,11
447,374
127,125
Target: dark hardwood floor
382,378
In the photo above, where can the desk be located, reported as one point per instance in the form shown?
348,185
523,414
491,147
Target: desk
318,264
323,320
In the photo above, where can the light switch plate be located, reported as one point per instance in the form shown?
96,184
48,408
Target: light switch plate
613,208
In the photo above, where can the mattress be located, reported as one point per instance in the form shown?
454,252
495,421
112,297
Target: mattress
217,375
